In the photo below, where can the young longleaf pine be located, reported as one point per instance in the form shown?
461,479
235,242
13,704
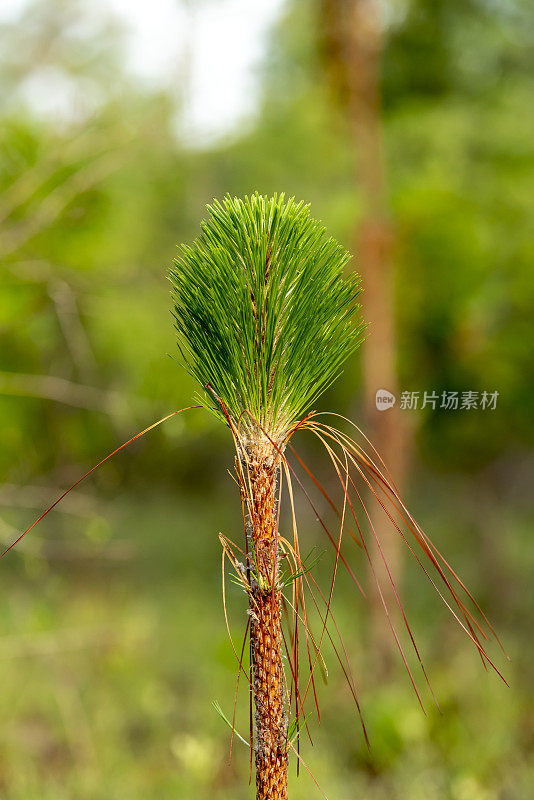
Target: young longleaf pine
266,319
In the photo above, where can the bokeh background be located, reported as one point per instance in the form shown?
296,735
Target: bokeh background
409,127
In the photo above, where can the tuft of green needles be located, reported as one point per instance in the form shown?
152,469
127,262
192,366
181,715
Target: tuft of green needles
264,314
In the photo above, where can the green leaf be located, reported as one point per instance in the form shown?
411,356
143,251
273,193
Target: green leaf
264,316
223,716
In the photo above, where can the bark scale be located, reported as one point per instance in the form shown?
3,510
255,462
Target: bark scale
266,643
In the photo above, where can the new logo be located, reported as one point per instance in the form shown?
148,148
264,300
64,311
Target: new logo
384,399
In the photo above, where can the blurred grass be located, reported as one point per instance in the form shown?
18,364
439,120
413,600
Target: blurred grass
110,663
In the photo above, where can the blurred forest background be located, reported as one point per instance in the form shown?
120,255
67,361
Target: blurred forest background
409,126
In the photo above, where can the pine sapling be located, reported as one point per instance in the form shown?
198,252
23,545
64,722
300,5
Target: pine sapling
265,320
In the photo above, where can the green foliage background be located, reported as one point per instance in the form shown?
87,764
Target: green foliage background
112,641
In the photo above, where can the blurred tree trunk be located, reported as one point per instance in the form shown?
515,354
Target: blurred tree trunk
352,32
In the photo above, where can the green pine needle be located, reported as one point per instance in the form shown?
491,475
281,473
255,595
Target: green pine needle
264,316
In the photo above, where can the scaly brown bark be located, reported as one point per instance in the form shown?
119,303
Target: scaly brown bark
267,672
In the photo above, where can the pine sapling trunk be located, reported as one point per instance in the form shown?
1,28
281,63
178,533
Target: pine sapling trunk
267,673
